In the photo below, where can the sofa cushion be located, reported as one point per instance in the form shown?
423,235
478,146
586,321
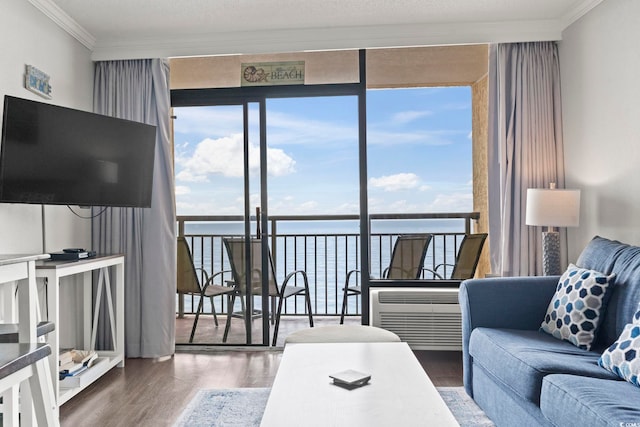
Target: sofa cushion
577,307
570,400
600,254
623,357
519,360
609,257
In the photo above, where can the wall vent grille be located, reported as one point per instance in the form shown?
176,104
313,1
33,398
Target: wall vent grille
426,319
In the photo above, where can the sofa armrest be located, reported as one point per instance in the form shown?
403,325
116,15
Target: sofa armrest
506,302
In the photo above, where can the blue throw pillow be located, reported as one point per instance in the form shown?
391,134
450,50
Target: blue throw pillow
623,357
576,309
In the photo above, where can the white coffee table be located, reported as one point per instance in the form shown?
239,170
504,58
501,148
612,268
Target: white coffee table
399,393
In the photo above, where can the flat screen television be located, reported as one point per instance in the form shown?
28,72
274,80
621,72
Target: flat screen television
61,156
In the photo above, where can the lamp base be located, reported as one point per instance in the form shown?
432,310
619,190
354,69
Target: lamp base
551,253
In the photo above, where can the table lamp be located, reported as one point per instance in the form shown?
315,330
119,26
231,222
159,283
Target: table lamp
552,208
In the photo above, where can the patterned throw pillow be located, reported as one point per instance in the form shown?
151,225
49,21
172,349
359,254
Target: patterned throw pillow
578,306
623,357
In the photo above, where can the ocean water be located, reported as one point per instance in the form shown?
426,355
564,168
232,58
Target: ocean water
333,227
325,250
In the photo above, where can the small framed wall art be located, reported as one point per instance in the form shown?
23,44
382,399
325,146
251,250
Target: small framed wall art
37,82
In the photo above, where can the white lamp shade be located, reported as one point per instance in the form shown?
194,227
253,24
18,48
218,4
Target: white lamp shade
553,207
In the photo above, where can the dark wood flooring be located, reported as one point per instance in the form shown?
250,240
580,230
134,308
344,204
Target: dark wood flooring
149,392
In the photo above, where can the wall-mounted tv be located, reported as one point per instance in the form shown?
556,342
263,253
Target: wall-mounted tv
61,156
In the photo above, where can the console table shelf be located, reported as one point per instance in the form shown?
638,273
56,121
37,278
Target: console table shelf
52,272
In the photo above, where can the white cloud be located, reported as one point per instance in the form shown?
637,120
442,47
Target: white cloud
377,204
184,208
293,129
284,128
207,208
453,202
187,176
427,138
254,199
224,156
182,190
212,121
404,117
209,147
402,206
309,206
278,162
400,181
347,208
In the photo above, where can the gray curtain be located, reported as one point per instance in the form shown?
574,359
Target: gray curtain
525,149
139,90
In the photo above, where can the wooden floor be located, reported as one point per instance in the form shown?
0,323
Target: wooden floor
148,392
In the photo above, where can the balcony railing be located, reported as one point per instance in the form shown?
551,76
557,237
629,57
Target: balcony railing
327,247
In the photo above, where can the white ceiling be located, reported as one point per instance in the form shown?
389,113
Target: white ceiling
137,28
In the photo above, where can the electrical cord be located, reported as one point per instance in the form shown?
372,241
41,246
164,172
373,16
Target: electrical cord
87,217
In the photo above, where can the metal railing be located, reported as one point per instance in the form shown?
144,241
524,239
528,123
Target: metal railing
319,246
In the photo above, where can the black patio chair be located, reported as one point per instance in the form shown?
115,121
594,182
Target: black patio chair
236,249
406,263
188,282
466,260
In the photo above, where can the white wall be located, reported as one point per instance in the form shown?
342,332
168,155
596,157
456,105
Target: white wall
29,37
600,68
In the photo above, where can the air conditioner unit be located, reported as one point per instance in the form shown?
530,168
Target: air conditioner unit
425,318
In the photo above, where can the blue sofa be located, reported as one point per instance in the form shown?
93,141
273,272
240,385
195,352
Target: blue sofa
523,377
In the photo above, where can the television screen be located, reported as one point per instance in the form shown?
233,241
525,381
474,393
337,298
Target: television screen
57,155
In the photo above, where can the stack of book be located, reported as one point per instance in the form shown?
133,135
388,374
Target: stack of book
73,362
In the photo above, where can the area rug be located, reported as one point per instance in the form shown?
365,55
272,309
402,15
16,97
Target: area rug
236,407
243,407
463,408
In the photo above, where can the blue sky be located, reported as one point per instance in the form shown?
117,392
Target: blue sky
419,154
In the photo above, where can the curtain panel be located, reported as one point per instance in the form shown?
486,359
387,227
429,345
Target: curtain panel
138,90
525,149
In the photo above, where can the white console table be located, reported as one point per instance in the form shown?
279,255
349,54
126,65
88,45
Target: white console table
53,271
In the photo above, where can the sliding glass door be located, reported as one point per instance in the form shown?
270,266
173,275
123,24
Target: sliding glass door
218,187
259,163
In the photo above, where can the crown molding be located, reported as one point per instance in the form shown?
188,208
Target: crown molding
579,11
64,21
316,38
310,39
